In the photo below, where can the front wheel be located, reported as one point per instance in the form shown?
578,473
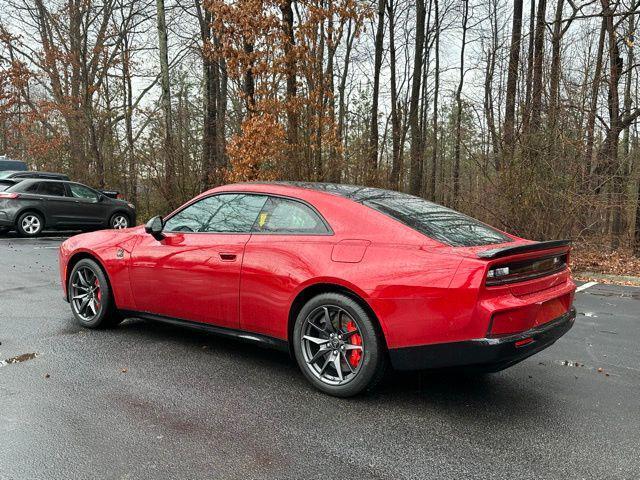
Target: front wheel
90,296
119,221
337,346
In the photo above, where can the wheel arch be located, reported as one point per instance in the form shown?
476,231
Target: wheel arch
81,255
315,289
32,209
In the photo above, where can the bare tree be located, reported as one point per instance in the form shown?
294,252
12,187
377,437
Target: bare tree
415,183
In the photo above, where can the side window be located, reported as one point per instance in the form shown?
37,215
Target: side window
226,213
29,188
80,191
53,189
281,215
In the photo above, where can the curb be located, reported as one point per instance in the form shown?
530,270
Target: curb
604,277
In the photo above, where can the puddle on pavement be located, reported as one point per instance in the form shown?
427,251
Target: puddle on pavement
18,359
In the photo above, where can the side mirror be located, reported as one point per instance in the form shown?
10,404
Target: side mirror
154,228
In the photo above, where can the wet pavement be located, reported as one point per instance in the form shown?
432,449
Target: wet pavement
155,401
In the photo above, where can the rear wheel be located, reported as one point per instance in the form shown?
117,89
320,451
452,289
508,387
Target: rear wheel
337,346
30,224
90,296
119,221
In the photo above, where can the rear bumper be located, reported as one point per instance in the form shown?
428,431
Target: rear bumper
6,219
488,353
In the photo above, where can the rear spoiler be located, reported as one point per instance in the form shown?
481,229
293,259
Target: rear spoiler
529,247
111,193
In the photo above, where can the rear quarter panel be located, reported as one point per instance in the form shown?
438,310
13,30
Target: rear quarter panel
402,275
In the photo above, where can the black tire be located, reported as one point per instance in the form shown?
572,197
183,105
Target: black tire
372,365
105,315
116,220
30,224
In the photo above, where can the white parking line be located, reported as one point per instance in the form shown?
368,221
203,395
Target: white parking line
585,286
37,239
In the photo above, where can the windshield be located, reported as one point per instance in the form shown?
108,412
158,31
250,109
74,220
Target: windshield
435,221
6,173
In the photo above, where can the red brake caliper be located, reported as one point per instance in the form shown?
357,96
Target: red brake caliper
98,292
354,355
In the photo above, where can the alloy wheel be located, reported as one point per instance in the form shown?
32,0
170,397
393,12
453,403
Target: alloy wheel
332,345
86,294
31,224
119,222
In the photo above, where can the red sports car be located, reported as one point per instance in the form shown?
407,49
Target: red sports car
345,278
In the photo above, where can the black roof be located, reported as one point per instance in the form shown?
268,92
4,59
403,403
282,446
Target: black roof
356,193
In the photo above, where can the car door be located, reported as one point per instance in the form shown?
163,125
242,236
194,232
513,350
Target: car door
89,209
194,272
58,207
289,241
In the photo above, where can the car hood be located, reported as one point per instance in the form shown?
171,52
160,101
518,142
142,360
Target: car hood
99,238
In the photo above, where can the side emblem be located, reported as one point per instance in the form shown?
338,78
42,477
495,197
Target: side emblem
120,253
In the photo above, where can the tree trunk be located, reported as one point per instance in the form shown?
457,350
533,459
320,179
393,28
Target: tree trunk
538,59
595,88
221,103
458,117
372,162
436,93
396,115
512,81
415,182
554,76
249,86
292,83
342,107
529,80
609,149
488,87
627,102
166,104
211,86
128,123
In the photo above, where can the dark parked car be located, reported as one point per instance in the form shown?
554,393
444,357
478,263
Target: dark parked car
32,205
8,164
21,175
30,174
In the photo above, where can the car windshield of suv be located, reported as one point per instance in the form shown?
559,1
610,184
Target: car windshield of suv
435,221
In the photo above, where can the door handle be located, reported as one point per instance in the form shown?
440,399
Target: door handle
228,257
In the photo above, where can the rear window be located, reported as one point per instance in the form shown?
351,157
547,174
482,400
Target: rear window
435,221
281,215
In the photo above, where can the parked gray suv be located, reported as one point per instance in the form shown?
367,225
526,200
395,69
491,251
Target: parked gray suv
32,205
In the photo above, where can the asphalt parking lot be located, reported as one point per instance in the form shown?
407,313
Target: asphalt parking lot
154,401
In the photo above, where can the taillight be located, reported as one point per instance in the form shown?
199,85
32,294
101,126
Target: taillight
519,271
8,195
119,196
